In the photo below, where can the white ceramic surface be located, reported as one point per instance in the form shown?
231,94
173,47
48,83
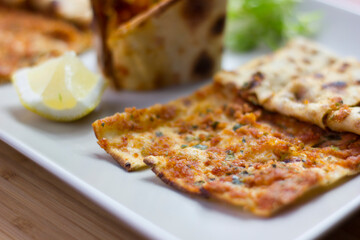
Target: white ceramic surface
70,151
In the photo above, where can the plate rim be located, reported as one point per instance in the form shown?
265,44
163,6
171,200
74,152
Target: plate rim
141,224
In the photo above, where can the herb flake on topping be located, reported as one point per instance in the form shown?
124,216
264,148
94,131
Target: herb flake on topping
230,155
214,125
184,146
236,180
237,126
199,183
189,138
200,146
159,134
335,148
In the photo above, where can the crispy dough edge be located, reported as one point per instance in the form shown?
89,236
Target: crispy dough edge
307,192
120,158
152,163
130,166
144,16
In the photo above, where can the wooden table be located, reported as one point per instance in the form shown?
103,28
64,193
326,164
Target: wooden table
36,205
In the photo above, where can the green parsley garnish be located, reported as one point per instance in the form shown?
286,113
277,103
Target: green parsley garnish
230,155
251,23
236,180
200,146
159,134
237,126
184,146
199,183
189,138
335,148
214,125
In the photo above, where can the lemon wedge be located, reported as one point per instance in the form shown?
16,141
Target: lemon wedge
60,89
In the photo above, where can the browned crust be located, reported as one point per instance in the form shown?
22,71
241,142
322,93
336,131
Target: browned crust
123,163
274,199
271,201
124,123
112,151
168,181
127,165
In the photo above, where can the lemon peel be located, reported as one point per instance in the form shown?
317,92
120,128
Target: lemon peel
60,89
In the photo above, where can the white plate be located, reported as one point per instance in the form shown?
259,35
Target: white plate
70,151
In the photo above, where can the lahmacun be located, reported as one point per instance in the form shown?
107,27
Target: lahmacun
215,144
27,38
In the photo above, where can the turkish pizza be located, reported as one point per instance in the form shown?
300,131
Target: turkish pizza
217,145
27,38
76,11
305,81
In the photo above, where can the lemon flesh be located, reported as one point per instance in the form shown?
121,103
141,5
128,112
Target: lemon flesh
61,89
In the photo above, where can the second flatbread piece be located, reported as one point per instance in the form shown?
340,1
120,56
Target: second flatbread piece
305,81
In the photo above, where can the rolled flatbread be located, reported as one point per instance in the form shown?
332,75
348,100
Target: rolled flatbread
145,45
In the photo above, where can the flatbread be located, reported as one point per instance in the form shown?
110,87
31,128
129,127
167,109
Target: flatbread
304,81
27,39
325,98
263,77
76,11
215,144
151,44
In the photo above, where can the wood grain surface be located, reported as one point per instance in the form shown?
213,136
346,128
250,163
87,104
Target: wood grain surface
36,205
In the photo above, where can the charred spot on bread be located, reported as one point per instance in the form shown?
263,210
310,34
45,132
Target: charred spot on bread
59,35
218,26
256,80
344,67
335,85
127,165
299,92
203,65
196,11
